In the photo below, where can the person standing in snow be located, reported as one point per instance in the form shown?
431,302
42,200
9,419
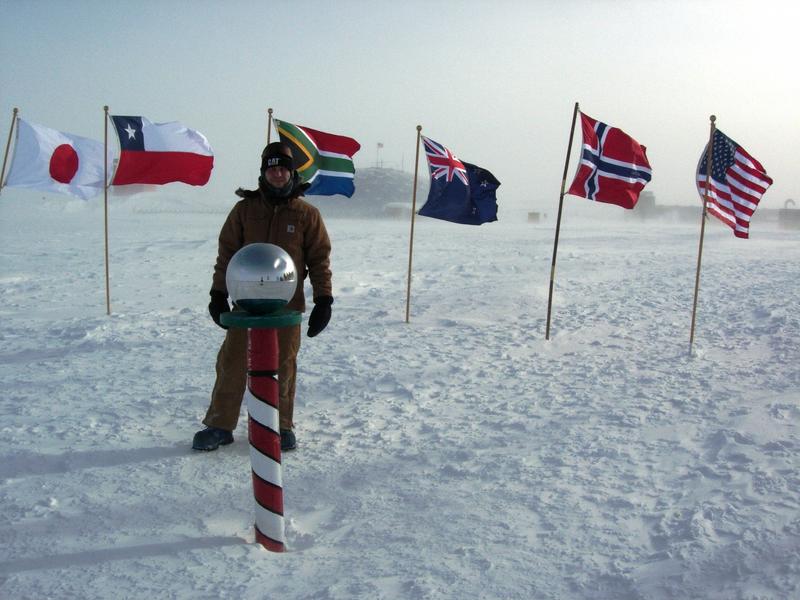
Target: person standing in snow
274,213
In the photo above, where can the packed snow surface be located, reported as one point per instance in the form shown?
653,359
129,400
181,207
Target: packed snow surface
460,455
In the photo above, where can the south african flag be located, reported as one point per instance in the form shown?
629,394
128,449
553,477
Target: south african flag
325,160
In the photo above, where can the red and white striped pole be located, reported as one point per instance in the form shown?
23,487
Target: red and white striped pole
265,439
261,396
261,278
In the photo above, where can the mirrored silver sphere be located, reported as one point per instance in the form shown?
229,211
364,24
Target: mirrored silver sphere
261,278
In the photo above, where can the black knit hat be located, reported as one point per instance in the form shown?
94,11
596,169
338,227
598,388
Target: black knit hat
276,154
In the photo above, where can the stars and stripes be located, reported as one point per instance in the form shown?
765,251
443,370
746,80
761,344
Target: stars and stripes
613,167
444,163
738,181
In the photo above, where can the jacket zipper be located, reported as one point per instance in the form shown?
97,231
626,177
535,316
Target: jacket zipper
273,225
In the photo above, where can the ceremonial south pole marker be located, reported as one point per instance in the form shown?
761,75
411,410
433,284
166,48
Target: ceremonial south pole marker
261,278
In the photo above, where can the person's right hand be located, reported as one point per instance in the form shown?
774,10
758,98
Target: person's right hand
320,315
218,305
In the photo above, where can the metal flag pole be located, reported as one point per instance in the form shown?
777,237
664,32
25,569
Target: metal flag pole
8,146
105,203
709,158
558,224
378,162
413,212
269,124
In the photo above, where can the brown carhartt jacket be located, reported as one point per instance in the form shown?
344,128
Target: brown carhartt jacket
296,226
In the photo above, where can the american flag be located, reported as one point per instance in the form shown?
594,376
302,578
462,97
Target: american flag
737,183
444,163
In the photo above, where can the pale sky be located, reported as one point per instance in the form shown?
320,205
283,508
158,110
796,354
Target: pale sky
496,82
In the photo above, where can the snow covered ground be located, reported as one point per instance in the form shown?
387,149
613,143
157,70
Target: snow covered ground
458,456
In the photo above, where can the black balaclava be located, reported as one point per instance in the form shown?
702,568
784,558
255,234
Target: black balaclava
278,154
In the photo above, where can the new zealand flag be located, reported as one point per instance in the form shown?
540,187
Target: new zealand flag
460,192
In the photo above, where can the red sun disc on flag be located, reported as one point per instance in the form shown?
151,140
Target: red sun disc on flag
64,163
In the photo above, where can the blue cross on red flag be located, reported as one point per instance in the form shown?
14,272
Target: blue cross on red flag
613,167
460,192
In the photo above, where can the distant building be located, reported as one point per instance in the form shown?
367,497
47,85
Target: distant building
397,210
789,215
380,193
647,209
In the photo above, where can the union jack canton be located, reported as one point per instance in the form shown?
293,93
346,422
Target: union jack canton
444,163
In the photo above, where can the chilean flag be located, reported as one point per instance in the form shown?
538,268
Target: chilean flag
158,153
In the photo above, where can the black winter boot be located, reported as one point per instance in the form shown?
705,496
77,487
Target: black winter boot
211,438
288,441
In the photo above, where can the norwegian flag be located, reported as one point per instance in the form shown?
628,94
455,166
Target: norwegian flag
443,163
613,168
738,181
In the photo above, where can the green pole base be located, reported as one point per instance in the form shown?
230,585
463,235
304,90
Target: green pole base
239,319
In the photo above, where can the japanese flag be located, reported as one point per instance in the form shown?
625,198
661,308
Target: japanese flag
53,161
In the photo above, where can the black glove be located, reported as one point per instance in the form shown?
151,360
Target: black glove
320,315
218,305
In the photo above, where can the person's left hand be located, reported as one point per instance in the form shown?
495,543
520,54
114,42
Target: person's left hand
320,315
218,305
